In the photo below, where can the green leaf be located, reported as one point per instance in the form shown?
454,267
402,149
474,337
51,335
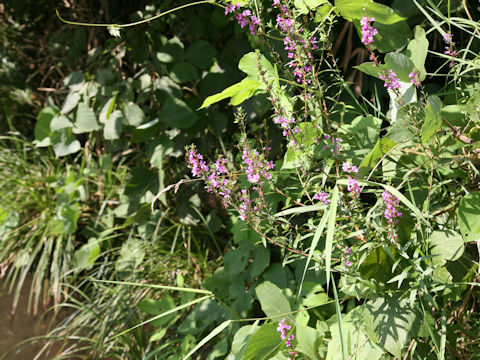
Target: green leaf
210,336
377,265
183,72
236,261
364,131
171,52
249,65
371,69
177,114
86,256
371,160
64,142
390,323
60,122
469,214
85,120
306,338
433,119
417,50
113,126
134,114
305,6
332,213
355,338
393,30
273,302
201,54
42,127
446,245
263,344
107,109
400,64
75,80
313,246
131,256
238,92
70,102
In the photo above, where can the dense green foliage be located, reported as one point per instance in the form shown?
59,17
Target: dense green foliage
303,184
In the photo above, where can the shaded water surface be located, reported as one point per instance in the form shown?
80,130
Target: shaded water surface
22,326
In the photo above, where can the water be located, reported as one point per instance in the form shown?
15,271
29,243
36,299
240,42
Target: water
22,326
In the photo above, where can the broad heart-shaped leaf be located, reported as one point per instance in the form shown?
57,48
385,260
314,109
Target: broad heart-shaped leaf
249,65
469,214
400,64
355,338
113,126
433,119
236,261
64,142
183,72
177,114
445,245
85,120
263,344
305,6
306,338
60,122
238,92
42,127
70,102
393,30
273,302
201,54
134,114
364,131
390,322
170,52
107,109
377,265
417,51
131,256
86,256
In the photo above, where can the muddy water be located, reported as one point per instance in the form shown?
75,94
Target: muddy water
22,326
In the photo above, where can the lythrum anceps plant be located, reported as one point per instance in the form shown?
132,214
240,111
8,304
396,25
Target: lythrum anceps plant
355,189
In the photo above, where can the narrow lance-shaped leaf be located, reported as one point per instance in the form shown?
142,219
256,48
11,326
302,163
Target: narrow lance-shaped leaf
332,214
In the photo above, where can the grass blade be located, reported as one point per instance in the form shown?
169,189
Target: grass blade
316,237
171,311
332,214
163,287
206,339
339,318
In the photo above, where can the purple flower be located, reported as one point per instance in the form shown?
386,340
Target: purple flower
196,162
353,186
322,196
257,167
349,168
391,211
282,329
450,49
231,8
348,263
368,31
391,83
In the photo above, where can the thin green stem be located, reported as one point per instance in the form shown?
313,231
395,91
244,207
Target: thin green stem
137,22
